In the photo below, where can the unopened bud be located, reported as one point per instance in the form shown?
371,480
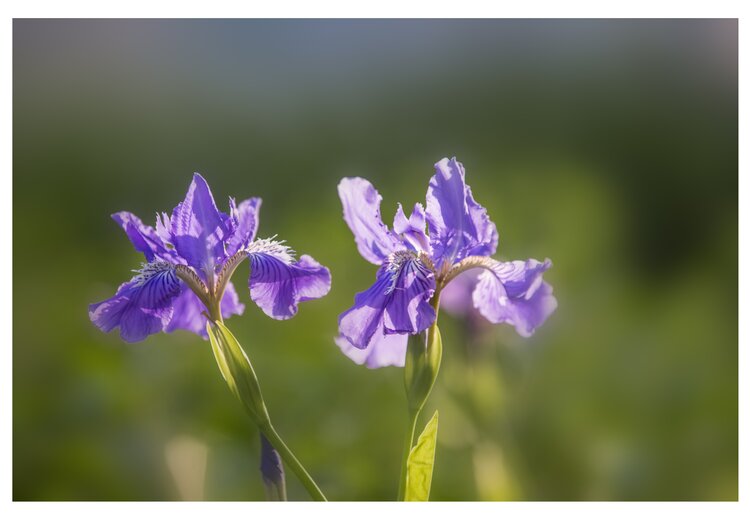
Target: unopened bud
237,371
272,471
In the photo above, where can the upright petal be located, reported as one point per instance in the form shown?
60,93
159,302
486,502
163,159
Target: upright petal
361,204
144,238
164,228
199,229
398,302
142,306
245,217
458,225
383,350
278,284
412,229
515,293
188,311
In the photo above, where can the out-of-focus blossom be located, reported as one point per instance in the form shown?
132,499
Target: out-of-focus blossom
421,255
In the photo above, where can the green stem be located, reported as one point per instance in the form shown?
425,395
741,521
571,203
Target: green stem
290,459
259,413
408,442
415,410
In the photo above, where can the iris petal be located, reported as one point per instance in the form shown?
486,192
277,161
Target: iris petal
398,302
412,229
455,298
230,302
408,310
363,320
515,293
188,311
246,219
458,225
199,229
361,204
278,284
383,350
142,306
144,238
164,227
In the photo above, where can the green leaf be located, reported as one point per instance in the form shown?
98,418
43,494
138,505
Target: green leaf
421,462
237,371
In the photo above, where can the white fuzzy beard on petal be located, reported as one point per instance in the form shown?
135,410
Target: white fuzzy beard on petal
149,270
272,247
396,262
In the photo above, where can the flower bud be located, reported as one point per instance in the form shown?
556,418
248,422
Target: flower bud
423,355
272,471
238,372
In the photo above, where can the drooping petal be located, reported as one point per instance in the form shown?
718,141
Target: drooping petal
188,311
408,310
398,302
188,314
412,229
245,217
458,225
144,238
361,204
278,284
515,293
365,318
142,306
199,228
230,302
383,350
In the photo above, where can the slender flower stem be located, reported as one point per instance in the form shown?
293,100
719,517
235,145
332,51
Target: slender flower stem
290,459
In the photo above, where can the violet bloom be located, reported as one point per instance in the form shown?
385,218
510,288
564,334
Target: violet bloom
190,257
420,256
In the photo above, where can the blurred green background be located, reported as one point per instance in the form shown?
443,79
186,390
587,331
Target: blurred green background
608,146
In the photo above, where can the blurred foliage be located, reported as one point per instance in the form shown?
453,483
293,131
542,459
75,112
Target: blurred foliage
608,146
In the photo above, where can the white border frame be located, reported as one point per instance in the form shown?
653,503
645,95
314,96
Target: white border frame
511,512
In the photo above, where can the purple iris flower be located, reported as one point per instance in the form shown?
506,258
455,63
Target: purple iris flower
190,257
420,256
